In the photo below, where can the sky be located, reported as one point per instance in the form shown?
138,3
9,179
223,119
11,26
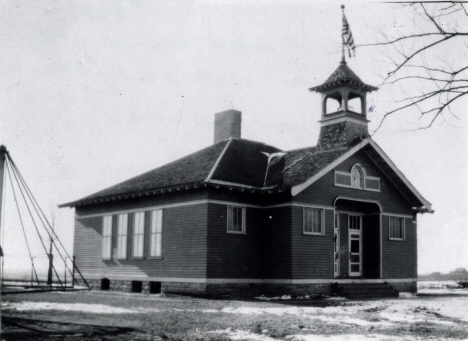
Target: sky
95,92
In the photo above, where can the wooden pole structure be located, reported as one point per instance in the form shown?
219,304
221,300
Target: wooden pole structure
51,261
3,154
343,59
73,272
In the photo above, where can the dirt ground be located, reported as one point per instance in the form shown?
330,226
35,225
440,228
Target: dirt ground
95,315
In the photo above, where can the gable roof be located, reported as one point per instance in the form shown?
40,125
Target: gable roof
245,164
382,161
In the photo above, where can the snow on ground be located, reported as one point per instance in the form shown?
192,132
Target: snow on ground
284,297
246,335
242,335
356,337
436,284
443,291
81,307
409,309
379,313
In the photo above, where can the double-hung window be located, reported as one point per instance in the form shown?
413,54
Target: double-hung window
156,233
122,236
236,219
138,234
313,221
397,228
107,237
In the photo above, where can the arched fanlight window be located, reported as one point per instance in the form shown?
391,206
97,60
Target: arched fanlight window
357,177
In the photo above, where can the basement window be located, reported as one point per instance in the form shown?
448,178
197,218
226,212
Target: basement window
155,287
396,228
236,219
137,286
105,284
313,221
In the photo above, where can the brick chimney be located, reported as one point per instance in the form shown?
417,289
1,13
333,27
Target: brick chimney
227,125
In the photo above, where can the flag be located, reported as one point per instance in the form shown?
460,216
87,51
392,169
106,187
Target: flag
348,40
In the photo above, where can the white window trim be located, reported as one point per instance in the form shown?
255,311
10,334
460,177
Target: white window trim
110,237
342,173
365,177
120,216
228,215
403,228
371,178
362,172
151,234
133,237
304,221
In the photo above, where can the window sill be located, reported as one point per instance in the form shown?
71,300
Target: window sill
233,232
397,239
313,234
358,188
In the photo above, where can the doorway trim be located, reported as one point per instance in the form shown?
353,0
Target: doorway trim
357,231
336,253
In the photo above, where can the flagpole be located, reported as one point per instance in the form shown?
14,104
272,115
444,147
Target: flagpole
343,60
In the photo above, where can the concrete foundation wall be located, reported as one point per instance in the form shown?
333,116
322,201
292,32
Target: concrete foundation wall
405,286
270,290
238,289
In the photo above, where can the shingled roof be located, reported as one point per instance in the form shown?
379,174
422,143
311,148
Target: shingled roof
213,164
297,166
343,75
233,163
245,164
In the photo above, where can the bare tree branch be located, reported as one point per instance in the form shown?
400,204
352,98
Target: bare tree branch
424,64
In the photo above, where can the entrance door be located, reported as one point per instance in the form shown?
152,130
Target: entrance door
337,246
355,245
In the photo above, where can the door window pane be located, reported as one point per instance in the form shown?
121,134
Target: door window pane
355,268
355,258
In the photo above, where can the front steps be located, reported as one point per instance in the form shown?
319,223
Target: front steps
364,290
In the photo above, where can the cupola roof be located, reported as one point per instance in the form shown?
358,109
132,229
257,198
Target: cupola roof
343,75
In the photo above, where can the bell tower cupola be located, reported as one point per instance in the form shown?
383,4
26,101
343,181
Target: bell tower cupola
344,110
